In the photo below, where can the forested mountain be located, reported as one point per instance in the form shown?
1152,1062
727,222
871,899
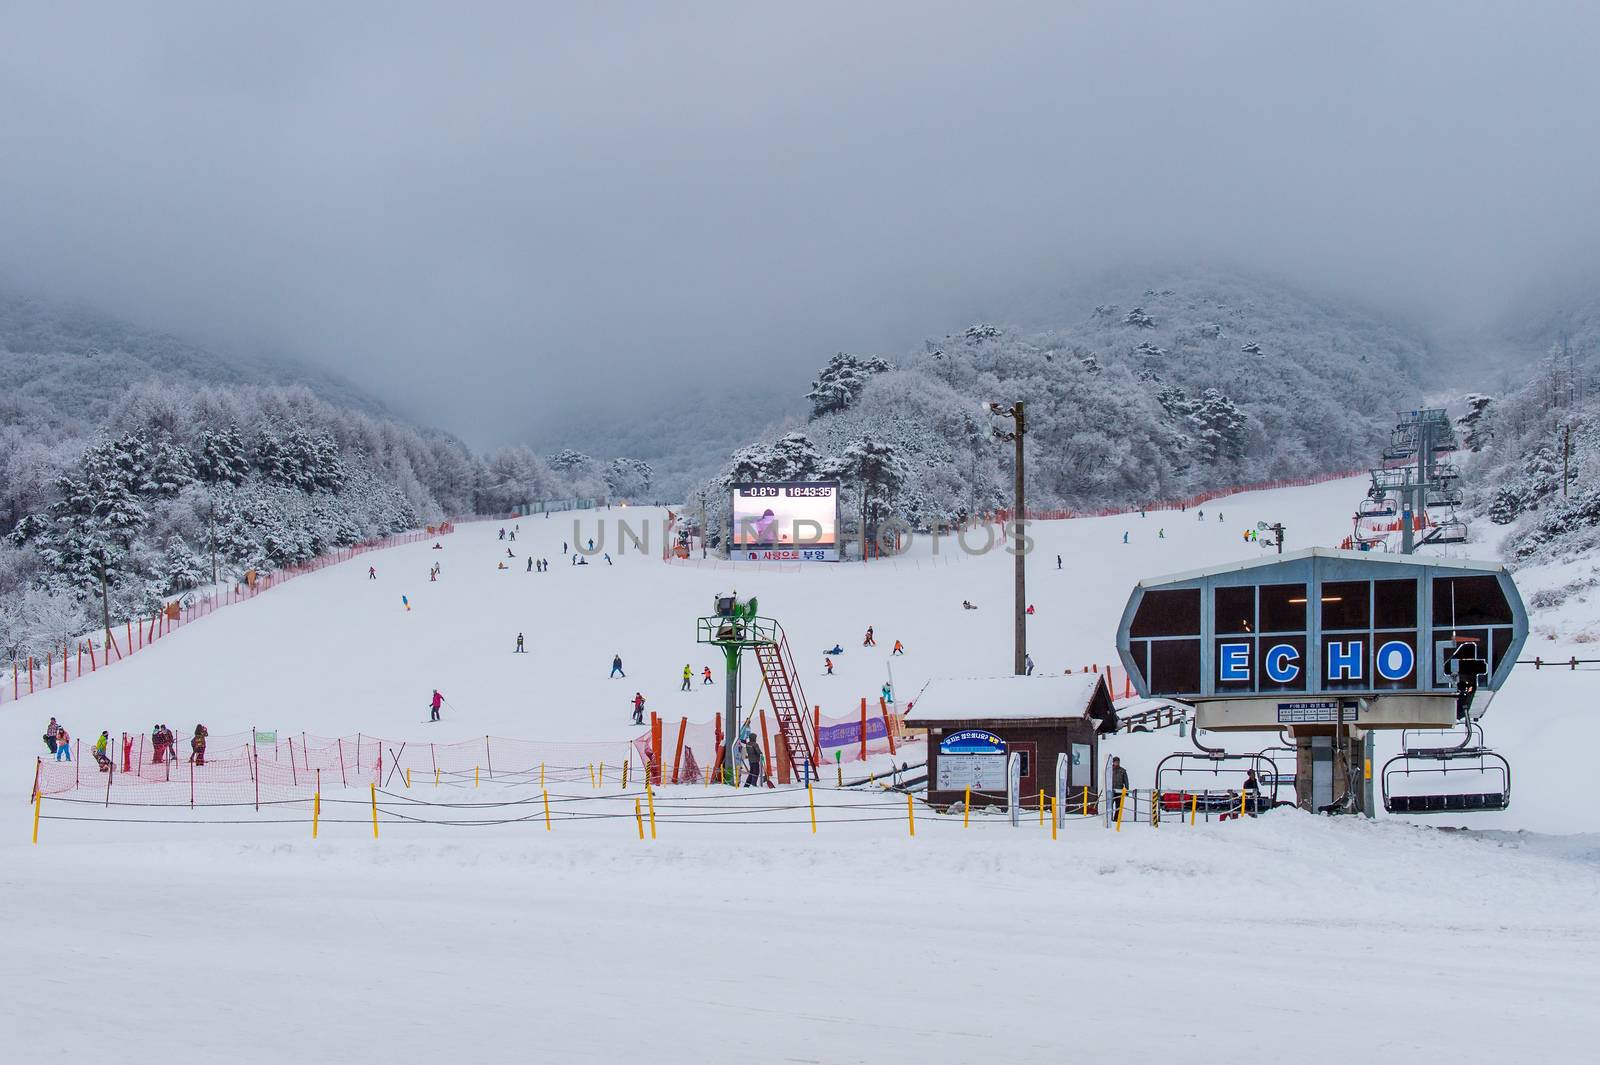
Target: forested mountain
1154,393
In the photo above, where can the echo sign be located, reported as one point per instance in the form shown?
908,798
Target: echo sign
1345,661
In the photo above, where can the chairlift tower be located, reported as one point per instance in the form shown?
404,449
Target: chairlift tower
1421,479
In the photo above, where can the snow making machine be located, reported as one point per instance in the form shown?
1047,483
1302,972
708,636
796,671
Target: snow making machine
1324,648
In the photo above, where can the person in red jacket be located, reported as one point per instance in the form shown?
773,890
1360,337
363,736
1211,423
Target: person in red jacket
438,701
638,708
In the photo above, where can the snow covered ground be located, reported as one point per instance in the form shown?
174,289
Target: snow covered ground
750,939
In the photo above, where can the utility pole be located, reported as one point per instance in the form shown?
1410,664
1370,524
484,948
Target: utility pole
1018,519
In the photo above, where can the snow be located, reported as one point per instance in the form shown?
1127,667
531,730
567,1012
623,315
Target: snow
737,934
1004,698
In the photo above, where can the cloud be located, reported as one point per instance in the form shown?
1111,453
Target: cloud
498,215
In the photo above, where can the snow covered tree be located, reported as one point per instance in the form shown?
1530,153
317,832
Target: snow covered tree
1219,426
628,478
1139,319
839,383
881,472
1476,426
220,456
182,568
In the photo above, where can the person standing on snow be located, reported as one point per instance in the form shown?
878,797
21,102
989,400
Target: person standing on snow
51,731
502,534
638,708
1119,778
899,648
521,650
63,745
706,676
435,704
102,759
1027,663
869,641
827,664
752,759
197,745
687,674
888,694
1124,540
616,666
530,564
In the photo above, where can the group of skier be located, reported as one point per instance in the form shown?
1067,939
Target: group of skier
162,745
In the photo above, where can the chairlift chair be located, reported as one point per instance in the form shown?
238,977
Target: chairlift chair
1473,763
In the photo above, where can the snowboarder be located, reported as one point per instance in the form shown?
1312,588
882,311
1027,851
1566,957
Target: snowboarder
834,650
500,565
51,731
887,693
510,553
574,560
101,758
706,676
372,573
435,703
1030,610
616,666
608,558
1124,540
687,675
63,745
502,534
827,664
899,648
197,745
638,708
521,650
967,605
869,641
1161,534
1027,663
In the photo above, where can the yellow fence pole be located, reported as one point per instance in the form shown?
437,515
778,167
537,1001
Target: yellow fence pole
966,808
911,814
1086,800
1242,794
811,800
638,818
1041,807
408,776
546,811
650,795
1122,800
591,774
1054,820
541,774
316,813
38,799
602,781
374,788
436,777
474,776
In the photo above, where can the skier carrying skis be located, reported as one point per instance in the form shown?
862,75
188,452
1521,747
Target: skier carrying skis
438,701
687,674
638,708
616,666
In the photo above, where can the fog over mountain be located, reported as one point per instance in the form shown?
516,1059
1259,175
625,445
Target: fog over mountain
512,219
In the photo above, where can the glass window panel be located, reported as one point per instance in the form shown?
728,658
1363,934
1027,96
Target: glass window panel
1469,601
1175,667
1390,664
1281,666
1234,664
1394,604
1283,608
1235,609
1346,662
1345,605
1168,613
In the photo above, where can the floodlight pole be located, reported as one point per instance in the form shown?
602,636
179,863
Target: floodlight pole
1018,518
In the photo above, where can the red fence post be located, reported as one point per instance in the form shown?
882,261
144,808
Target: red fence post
863,756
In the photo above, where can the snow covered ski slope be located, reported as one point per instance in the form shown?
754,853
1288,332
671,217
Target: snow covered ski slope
738,934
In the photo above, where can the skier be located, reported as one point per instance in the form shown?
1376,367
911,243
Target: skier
616,666
608,559
1030,610
372,573
1058,557
563,547
530,564
687,674
510,553
1161,534
574,559
51,731
706,676
405,603
502,534
433,575
197,745
1219,517
1124,540
591,545
887,694
899,648
827,664
1202,516
521,650
435,704
513,536
63,745
638,708
1027,662
869,641
100,756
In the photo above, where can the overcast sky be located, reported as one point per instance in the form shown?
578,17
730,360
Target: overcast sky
492,214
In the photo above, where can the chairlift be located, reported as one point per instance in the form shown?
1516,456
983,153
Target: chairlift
1177,798
1450,531
1482,776
1375,508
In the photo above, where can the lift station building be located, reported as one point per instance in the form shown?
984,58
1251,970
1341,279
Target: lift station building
1322,646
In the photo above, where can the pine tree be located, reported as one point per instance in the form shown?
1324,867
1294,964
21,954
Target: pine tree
841,381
